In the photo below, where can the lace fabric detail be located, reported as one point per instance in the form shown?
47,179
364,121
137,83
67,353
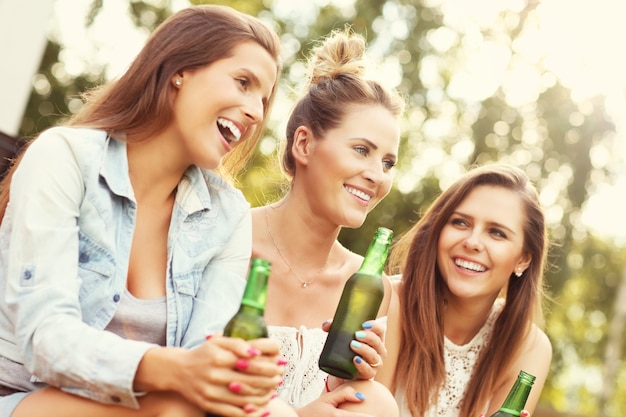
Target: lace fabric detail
303,381
459,362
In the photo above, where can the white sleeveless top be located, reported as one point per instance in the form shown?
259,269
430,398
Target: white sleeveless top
303,380
459,362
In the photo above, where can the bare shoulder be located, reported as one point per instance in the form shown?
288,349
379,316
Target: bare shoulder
534,357
258,217
260,238
258,212
537,343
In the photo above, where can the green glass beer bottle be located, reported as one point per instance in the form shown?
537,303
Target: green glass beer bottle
360,301
516,399
248,323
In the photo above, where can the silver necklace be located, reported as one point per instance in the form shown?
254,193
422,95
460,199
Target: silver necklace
304,283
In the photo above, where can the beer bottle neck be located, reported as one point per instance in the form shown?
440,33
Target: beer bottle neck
255,294
516,399
376,255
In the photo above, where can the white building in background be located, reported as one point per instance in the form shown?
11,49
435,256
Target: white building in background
24,28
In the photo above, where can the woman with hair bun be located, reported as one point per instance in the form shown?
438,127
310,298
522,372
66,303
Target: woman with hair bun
342,141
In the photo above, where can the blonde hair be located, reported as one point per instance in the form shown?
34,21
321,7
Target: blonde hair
336,81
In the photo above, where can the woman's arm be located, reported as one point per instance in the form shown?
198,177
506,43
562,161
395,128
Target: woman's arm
43,287
535,359
222,284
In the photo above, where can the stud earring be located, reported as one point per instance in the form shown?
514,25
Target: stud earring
519,273
178,82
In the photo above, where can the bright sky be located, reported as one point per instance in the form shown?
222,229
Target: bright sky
584,39
581,41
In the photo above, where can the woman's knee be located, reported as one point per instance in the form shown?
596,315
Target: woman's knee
169,404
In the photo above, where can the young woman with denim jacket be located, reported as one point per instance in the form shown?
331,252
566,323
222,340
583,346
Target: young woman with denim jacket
123,245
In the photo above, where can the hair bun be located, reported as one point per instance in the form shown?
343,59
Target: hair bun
341,53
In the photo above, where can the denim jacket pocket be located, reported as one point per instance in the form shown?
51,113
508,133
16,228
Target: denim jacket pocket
96,266
94,257
186,284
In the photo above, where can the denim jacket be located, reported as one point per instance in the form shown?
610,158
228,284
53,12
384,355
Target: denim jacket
64,251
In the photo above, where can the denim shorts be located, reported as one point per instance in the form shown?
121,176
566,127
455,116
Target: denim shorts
9,400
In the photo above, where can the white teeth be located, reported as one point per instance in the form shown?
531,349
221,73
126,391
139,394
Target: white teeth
472,266
358,193
230,126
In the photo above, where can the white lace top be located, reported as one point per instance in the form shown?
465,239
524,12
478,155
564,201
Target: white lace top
303,381
459,362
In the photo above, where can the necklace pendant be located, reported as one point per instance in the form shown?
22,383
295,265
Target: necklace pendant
305,284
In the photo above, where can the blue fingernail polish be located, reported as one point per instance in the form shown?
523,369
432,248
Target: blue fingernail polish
355,344
367,325
359,396
360,334
358,359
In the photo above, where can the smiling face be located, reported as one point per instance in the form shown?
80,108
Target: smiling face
482,243
218,106
346,173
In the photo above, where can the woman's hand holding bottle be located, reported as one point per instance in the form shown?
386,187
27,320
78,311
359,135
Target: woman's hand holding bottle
369,347
223,376
230,376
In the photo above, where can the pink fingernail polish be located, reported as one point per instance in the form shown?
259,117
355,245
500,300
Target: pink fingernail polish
208,336
249,408
274,395
282,361
242,364
234,387
265,414
254,352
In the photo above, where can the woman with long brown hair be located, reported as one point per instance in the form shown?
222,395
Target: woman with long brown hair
471,294
122,248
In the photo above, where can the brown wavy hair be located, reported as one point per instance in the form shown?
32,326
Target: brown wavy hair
336,81
422,369
139,102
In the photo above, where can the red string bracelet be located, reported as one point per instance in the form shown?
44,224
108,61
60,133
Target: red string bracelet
326,384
